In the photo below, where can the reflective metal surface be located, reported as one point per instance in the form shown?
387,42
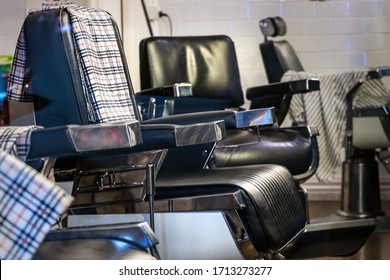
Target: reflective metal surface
118,241
200,133
114,179
255,117
105,136
240,237
218,202
182,89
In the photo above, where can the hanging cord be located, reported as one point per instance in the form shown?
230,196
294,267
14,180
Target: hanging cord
162,14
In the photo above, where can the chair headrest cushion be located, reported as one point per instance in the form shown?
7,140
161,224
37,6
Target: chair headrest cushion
273,26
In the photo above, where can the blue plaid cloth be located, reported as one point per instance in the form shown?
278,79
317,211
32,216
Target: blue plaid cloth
106,89
29,203
327,110
29,206
16,140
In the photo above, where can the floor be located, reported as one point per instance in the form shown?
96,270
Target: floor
378,245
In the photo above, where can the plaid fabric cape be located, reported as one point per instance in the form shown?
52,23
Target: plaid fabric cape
29,206
29,203
16,140
105,85
327,110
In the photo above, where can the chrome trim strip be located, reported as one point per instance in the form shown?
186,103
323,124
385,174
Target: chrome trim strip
223,201
105,136
255,117
199,133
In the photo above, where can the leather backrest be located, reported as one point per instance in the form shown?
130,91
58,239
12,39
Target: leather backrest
278,58
209,63
55,78
55,75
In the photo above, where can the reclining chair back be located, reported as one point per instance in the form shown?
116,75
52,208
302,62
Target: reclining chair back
208,63
56,79
278,57
76,86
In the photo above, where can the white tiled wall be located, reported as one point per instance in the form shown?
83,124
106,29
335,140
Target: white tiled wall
12,14
335,34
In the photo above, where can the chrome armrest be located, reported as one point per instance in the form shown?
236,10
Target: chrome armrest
166,135
255,117
175,90
71,140
232,119
282,88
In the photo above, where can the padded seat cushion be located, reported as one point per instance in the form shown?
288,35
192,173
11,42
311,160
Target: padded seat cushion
286,147
274,214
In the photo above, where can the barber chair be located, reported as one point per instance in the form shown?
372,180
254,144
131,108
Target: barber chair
360,191
281,51
260,203
208,63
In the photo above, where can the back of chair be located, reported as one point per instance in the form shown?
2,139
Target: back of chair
278,56
209,63
73,68
61,79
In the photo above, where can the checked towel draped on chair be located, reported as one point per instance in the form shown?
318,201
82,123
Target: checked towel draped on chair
30,204
102,107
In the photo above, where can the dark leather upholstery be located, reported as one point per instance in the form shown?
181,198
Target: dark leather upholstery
273,213
209,63
285,147
53,72
278,55
278,58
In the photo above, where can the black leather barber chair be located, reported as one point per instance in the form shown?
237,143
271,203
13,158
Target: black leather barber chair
360,192
282,51
209,64
259,202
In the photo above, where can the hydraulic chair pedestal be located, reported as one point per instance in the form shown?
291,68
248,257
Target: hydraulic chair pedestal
345,232
360,192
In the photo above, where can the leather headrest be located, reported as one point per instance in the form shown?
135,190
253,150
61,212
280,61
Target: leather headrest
273,26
